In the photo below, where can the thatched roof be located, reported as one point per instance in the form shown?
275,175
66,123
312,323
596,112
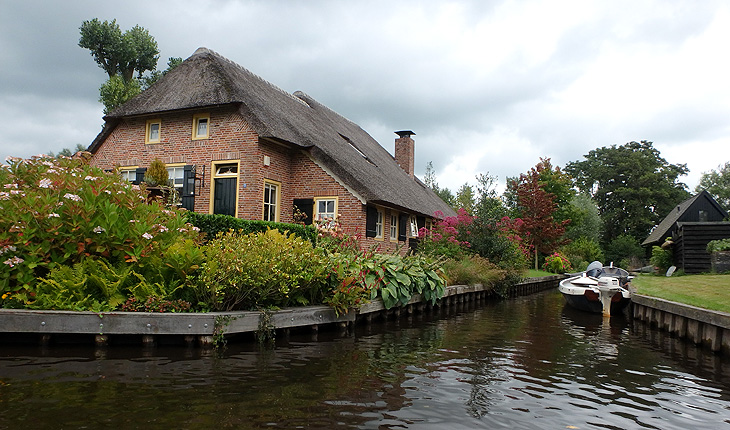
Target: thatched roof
207,79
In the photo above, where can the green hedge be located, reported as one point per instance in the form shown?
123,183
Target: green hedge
211,225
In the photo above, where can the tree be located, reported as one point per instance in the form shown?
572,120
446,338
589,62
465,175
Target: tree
115,91
585,221
119,53
429,178
717,183
465,198
537,208
67,152
155,75
632,185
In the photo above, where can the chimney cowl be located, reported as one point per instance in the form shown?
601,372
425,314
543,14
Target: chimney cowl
405,133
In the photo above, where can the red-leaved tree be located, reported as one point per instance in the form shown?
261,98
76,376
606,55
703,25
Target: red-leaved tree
537,209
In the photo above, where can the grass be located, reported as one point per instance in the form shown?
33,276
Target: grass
532,273
704,291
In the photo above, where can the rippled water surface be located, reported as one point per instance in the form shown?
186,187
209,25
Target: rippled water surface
527,363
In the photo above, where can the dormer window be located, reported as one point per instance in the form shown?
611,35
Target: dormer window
152,131
201,126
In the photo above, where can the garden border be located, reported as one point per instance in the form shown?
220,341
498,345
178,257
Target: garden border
203,329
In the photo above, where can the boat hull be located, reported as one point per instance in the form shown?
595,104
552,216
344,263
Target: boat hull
608,293
582,303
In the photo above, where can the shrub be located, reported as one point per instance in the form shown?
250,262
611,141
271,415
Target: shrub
58,212
156,174
212,225
582,251
357,278
718,245
472,270
661,258
448,236
557,263
261,270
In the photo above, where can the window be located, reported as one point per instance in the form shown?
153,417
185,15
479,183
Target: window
152,131
128,173
414,226
379,225
325,207
224,188
228,169
175,176
271,201
201,126
393,226
702,216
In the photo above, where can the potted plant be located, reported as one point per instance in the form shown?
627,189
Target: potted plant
156,178
719,251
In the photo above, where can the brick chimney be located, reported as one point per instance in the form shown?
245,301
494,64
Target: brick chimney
405,149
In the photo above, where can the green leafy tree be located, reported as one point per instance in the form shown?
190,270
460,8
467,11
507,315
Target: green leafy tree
116,91
585,221
119,53
632,185
465,198
717,183
67,152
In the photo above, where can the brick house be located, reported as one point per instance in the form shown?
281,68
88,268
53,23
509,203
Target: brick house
235,144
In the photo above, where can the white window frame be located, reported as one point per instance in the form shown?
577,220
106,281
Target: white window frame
318,215
393,226
128,173
267,206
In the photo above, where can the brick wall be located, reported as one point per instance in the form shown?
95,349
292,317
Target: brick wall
230,138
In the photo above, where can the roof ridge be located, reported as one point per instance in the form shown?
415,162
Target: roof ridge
204,50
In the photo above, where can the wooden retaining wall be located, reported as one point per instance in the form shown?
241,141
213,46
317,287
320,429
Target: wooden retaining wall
697,325
204,329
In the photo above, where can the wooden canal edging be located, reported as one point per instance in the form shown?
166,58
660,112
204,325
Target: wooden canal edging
204,329
697,325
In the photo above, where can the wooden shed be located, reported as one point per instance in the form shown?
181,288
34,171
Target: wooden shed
690,244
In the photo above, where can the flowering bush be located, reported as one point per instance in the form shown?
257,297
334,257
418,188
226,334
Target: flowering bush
557,263
332,237
447,237
58,212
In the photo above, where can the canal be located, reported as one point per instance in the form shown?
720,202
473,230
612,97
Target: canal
526,363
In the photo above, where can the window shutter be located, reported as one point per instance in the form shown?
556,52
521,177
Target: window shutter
371,221
188,188
306,206
402,226
139,175
421,222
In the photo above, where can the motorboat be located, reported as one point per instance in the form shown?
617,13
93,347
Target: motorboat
600,289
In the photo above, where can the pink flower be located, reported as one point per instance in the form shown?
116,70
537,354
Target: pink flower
45,183
147,236
13,261
53,215
73,197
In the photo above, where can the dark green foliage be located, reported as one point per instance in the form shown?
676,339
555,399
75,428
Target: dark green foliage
211,225
623,251
632,185
661,258
583,251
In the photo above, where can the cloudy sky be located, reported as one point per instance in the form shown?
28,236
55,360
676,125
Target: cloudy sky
487,86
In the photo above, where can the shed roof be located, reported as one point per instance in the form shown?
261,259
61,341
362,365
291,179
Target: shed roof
207,79
664,228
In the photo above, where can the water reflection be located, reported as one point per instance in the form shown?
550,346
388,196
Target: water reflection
524,363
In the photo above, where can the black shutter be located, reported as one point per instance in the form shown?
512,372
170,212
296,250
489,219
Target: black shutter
188,188
402,227
420,222
306,206
139,175
371,222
